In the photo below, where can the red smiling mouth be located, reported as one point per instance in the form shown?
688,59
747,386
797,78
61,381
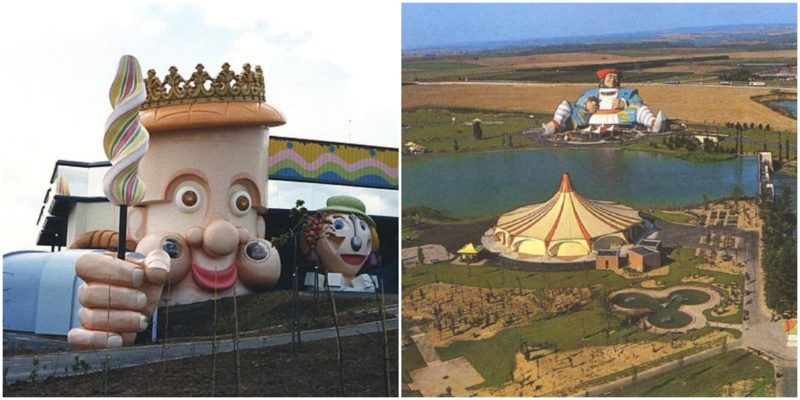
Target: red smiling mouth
353,259
210,279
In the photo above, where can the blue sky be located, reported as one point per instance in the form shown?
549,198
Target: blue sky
330,79
430,25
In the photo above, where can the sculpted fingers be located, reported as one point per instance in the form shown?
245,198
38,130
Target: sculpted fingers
96,267
88,339
156,266
97,296
112,320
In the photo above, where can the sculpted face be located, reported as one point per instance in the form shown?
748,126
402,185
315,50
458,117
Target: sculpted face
611,80
204,192
347,245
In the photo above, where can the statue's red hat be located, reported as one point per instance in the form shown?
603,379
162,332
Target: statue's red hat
603,72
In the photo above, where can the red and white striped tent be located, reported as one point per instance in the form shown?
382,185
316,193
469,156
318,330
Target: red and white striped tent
568,225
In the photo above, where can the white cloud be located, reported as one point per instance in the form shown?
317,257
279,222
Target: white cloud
325,64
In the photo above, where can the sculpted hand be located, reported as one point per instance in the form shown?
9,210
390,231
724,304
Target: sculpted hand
134,287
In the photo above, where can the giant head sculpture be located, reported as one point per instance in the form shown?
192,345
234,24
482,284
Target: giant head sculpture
349,238
200,222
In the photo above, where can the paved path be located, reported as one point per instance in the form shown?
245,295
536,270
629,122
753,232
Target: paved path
760,332
425,348
693,310
20,367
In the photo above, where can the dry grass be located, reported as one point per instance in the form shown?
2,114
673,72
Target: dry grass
551,60
475,313
697,104
699,68
563,374
573,59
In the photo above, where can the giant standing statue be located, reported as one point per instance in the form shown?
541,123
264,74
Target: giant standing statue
606,107
200,227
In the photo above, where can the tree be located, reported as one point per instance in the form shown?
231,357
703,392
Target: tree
477,132
779,256
510,141
787,150
455,145
752,126
737,194
760,126
767,128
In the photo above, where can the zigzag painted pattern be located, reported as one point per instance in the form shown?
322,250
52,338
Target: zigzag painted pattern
333,163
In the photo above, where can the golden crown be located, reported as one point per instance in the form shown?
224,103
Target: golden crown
248,86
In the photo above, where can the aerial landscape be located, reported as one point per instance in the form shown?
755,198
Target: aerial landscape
610,213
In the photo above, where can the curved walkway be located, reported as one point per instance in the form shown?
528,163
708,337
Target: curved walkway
695,310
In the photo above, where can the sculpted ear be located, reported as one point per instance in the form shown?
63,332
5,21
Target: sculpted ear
136,223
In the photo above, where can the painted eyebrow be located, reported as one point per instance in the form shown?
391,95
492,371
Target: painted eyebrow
187,176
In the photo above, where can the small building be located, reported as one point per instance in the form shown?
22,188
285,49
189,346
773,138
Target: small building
651,244
469,253
643,259
607,259
790,327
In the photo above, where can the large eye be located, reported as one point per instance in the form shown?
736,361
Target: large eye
240,202
257,251
363,225
338,224
172,247
188,198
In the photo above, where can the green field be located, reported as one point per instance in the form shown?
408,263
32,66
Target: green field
488,276
435,130
682,263
412,360
655,145
708,378
494,357
679,218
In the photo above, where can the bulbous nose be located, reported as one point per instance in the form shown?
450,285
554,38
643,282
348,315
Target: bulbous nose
356,243
220,238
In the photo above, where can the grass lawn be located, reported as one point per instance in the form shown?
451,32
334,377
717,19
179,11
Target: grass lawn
435,130
694,156
485,276
708,378
445,70
675,216
682,263
412,360
493,358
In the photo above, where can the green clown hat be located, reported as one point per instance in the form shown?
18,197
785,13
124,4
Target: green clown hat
347,205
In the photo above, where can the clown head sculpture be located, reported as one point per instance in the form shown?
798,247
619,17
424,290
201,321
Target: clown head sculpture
348,240
206,174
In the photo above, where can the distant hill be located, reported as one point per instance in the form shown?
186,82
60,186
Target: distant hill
765,36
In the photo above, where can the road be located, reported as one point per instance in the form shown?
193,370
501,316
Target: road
761,332
55,364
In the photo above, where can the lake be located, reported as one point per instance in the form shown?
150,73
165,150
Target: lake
790,105
484,184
